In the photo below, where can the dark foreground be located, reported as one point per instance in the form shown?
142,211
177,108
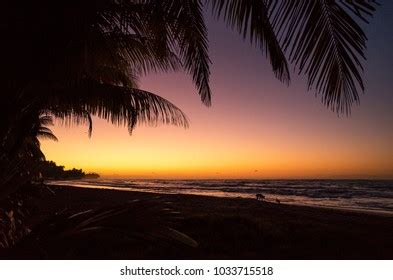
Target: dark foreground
223,228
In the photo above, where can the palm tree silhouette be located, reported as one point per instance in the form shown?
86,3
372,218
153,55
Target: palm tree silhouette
38,131
16,176
24,164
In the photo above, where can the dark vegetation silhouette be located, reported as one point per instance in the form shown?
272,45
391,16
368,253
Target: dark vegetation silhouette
51,171
72,60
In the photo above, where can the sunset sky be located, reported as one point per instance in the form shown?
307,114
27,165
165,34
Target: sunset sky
257,126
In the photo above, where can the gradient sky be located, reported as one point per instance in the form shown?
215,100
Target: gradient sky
256,128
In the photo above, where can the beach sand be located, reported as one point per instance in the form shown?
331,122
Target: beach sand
235,228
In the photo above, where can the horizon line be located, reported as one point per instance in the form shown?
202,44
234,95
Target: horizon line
265,179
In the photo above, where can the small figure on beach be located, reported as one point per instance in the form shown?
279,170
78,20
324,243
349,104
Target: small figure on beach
260,196
278,201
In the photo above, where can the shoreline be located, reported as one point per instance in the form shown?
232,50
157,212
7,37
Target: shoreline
338,208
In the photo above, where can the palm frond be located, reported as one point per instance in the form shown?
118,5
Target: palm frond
145,52
142,39
361,8
119,58
187,26
177,29
251,19
68,115
327,44
117,104
46,133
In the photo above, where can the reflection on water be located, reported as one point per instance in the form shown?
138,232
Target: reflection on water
355,194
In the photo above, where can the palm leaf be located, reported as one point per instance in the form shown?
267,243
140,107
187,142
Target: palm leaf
251,19
68,116
46,133
187,25
327,44
130,29
113,57
175,29
117,104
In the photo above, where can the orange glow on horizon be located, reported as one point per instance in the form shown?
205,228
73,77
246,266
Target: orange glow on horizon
171,152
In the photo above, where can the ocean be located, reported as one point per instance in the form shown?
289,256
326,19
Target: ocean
371,195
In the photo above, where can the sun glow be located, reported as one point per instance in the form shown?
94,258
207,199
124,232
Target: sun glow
170,152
